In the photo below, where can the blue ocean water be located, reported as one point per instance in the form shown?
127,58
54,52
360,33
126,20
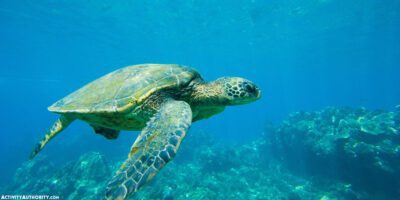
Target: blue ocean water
305,55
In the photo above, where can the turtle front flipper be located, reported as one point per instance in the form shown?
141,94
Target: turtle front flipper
155,147
57,127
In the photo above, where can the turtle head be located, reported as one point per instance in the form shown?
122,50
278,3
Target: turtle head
237,91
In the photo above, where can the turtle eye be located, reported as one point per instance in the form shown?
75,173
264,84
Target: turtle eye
249,88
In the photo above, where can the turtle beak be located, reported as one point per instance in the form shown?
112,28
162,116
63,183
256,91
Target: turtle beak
258,93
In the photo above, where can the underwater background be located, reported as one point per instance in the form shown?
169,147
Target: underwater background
327,126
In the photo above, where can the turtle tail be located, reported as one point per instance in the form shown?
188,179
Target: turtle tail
58,126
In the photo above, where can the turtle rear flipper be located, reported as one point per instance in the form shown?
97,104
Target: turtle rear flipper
106,132
155,147
57,127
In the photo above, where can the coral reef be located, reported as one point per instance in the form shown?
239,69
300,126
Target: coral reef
358,146
209,171
84,179
336,153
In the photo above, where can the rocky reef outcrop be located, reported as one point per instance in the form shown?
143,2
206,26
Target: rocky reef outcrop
358,146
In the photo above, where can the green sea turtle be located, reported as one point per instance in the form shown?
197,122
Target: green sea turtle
162,100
